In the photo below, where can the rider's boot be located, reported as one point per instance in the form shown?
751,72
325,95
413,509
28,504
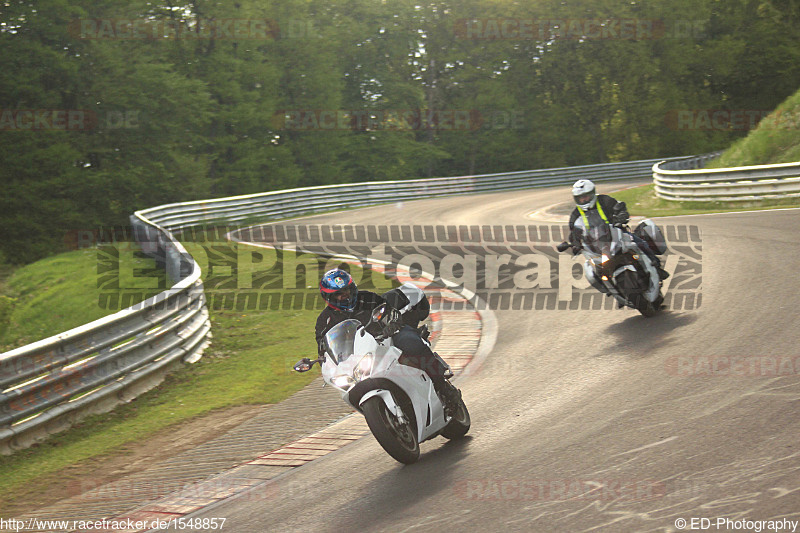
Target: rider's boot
450,395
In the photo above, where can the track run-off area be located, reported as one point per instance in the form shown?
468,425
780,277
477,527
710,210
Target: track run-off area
590,419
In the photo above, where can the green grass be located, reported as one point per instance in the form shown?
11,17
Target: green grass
248,363
59,293
642,201
776,139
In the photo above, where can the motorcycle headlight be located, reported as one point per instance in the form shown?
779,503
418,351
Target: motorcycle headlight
343,382
604,259
363,368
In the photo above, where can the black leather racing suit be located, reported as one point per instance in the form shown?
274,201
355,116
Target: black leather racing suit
416,353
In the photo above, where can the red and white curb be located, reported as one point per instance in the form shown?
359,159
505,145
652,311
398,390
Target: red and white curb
314,446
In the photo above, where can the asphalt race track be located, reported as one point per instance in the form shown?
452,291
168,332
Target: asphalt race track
590,420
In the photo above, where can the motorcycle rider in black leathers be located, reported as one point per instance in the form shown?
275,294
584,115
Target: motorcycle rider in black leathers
603,209
345,301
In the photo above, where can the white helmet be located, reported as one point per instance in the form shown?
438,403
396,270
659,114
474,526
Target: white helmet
583,192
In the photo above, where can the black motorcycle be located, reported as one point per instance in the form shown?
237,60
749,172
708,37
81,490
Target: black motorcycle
616,265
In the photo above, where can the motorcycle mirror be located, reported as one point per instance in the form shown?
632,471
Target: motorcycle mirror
304,365
619,207
378,313
563,246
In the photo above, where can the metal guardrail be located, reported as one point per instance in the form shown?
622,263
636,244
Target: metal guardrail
48,385
726,184
296,202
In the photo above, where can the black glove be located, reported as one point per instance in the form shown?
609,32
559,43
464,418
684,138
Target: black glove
620,216
564,246
392,322
392,315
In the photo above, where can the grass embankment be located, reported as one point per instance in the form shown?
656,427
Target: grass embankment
248,363
60,293
775,140
642,201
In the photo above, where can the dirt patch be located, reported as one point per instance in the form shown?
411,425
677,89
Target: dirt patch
126,460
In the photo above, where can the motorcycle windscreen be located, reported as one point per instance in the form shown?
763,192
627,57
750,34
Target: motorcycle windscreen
598,239
340,339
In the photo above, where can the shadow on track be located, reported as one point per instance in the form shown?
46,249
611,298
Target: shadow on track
646,335
405,486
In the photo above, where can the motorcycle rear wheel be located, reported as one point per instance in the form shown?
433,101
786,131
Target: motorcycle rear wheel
398,439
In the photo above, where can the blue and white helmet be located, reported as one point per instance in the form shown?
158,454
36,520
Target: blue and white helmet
338,289
584,194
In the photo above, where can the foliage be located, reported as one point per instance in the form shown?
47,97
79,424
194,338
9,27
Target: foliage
180,116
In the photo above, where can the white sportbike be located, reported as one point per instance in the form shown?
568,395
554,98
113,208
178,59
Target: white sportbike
398,401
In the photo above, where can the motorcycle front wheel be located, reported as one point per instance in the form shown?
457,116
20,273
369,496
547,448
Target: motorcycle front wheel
459,425
397,438
647,309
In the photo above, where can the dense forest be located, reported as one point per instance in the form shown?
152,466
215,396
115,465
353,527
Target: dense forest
108,106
